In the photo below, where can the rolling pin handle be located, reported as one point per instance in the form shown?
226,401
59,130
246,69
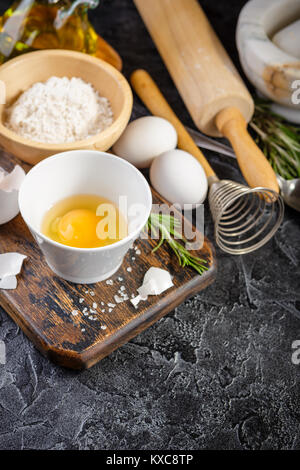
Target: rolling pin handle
255,167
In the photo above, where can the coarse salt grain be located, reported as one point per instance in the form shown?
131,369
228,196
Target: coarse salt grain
60,110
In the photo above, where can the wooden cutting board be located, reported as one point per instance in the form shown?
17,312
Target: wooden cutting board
42,304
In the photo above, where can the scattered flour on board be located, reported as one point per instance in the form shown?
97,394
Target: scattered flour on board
60,110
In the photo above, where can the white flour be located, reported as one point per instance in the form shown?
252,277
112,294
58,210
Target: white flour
60,110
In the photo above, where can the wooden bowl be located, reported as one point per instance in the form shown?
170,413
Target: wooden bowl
20,73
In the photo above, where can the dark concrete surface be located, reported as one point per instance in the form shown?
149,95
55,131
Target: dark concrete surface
215,374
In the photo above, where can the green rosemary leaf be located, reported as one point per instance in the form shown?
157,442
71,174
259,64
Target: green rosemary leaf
166,225
279,141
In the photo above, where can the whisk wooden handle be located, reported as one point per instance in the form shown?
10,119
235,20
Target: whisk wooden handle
151,96
256,169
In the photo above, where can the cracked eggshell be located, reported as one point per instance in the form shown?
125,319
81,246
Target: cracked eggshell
10,184
156,281
179,178
145,139
10,267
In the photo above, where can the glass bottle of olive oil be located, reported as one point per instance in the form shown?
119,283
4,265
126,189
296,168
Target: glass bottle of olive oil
47,24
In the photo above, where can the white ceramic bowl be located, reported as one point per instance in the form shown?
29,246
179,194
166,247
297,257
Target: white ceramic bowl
84,172
271,70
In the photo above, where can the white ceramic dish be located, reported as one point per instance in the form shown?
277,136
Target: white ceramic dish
271,70
84,172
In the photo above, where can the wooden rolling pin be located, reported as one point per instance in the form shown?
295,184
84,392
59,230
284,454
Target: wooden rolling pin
207,80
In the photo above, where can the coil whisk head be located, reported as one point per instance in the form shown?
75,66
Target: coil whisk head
245,219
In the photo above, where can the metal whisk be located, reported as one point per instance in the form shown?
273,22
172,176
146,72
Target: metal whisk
245,219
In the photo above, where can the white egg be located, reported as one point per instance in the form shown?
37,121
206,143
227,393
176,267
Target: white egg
179,178
144,139
9,192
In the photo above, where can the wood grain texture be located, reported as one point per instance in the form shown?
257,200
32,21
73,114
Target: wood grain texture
196,60
254,165
42,303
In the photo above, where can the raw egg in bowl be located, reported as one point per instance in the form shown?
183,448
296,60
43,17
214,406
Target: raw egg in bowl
85,209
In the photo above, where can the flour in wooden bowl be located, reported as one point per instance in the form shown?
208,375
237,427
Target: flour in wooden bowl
61,110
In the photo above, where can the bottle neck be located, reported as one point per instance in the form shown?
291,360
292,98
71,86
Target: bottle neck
65,13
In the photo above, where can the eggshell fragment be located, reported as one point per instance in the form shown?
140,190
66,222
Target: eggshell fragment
11,264
179,178
9,283
10,267
156,281
144,139
9,190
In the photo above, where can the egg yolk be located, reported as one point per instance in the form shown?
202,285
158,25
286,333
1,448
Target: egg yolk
78,228
84,221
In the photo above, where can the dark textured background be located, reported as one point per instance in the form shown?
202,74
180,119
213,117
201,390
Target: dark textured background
214,374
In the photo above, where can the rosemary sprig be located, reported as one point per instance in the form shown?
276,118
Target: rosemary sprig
279,141
166,226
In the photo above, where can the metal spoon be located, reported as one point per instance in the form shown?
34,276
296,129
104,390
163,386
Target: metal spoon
289,189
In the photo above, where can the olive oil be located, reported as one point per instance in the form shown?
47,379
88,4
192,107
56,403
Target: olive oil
54,24
84,221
